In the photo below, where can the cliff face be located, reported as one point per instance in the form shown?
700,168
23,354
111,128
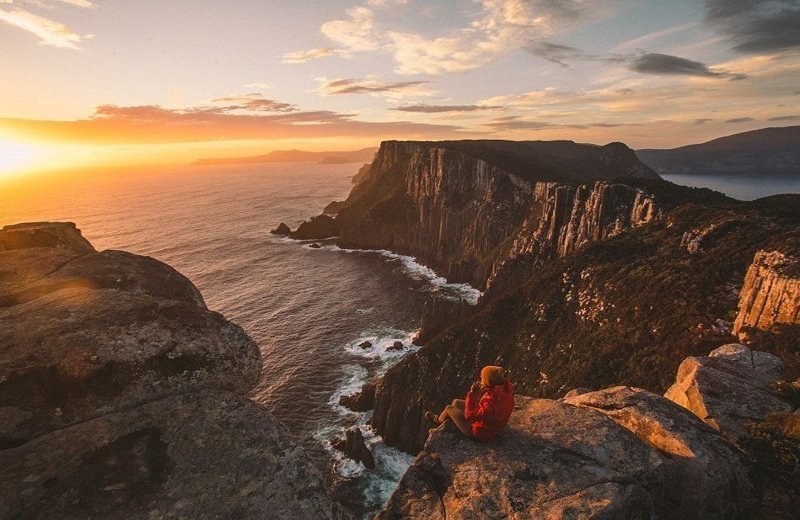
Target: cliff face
626,309
565,218
771,292
458,205
446,208
122,395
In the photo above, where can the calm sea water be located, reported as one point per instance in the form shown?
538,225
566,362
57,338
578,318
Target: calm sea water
738,187
308,308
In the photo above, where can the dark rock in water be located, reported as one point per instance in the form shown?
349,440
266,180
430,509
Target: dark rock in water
333,208
365,344
354,447
321,226
282,230
618,453
363,400
397,345
118,394
315,245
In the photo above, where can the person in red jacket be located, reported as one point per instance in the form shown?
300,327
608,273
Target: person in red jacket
486,409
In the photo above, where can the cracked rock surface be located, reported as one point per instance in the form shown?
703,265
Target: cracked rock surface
616,453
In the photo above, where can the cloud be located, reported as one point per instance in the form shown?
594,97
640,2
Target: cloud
702,121
740,120
515,123
499,27
354,34
664,64
555,52
79,3
436,109
784,118
152,124
305,56
756,26
647,63
50,32
258,85
251,102
371,86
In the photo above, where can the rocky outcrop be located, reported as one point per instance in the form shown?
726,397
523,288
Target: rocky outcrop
319,227
281,230
333,208
619,453
354,447
729,388
363,400
771,292
61,235
122,395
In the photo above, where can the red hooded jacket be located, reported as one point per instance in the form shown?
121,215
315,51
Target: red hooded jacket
491,412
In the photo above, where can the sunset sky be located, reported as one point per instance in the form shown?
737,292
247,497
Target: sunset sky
116,81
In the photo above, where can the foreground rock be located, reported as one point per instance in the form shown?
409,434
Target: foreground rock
210,454
729,388
121,394
621,453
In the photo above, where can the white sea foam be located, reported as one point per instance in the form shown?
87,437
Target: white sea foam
381,346
390,464
417,271
354,378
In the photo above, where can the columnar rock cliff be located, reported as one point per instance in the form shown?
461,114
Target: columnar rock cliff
456,205
564,218
771,292
123,396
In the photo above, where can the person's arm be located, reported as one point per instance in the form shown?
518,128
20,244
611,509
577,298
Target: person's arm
476,409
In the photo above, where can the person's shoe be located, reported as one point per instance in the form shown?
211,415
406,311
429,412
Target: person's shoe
432,418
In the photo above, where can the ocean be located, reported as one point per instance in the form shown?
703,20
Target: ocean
739,187
307,308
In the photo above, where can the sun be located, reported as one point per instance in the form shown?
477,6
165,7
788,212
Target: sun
16,156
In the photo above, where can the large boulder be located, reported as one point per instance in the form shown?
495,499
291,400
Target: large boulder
122,395
211,454
559,459
729,388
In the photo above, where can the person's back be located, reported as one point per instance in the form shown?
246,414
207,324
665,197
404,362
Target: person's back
489,413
